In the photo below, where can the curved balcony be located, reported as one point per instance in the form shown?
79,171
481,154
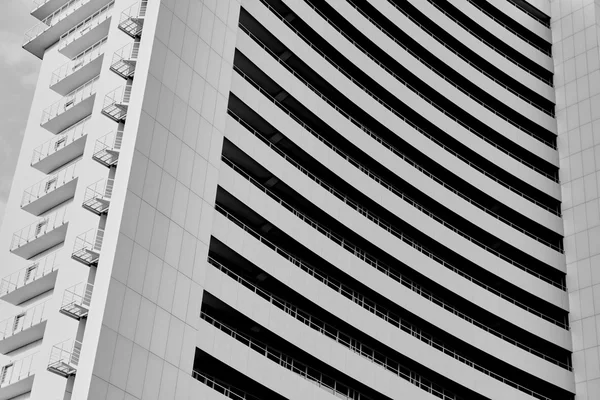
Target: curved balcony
76,300
58,151
87,247
23,328
70,109
64,358
40,236
16,377
50,29
87,32
107,148
81,69
36,278
132,19
116,103
97,196
51,191
124,60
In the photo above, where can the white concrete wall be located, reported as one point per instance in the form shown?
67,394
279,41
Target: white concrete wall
577,81
141,335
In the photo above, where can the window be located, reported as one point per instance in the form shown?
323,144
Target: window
6,374
50,185
60,142
18,322
30,273
40,226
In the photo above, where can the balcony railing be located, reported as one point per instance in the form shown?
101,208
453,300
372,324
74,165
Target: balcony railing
23,328
39,275
87,247
40,236
76,300
64,358
71,108
61,149
83,67
48,31
51,191
107,148
124,60
132,19
95,23
42,8
97,196
16,376
116,103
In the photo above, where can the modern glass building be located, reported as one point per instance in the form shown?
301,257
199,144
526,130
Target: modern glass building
306,199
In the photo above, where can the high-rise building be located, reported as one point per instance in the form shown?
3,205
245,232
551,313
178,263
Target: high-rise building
306,199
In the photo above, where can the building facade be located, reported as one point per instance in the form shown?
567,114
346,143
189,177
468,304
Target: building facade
306,199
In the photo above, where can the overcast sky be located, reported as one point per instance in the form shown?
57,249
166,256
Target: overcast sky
18,75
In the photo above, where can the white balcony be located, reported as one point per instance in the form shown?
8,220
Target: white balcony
81,69
51,191
64,358
97,196
65,147
87,247
16,376
76,300
50,29
124,60
107,148
23,328
40,236
132,19
36,278
116,103
70,109
87,32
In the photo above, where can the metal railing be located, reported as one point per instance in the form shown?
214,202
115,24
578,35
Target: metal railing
223,388
60,141
49,184
482,40
75,97
66,352
135,11
391,273
101,189
347,341
400,79
377,178
110,141
120,95
129,52
378,264
310,374
23,320
454,51
39,228
549,112
410,123
511,29
416,205
38,3
34,270
529,13
16,370
395,320
84,58
80,294
90,240
86,25
53,19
